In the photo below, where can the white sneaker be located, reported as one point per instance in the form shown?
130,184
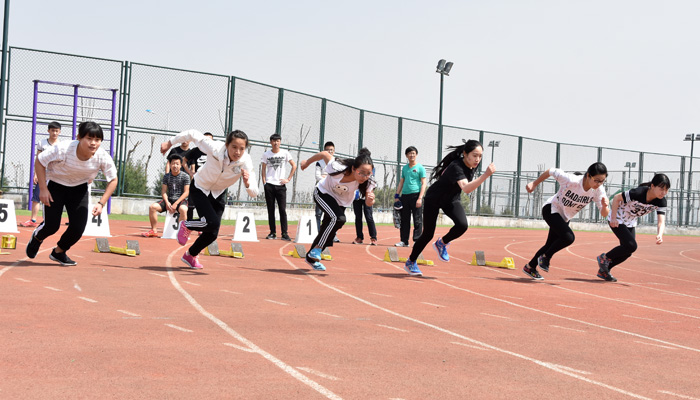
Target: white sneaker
401,244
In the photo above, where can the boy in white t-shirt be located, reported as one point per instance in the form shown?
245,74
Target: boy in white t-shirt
54,130
273,165
575,192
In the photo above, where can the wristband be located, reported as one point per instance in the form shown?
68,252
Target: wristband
396,195
100,203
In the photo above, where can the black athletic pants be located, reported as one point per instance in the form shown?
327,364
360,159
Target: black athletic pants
560,235
431,210
359,207
75,199
276,193
210,210
628,245
409,209
333,220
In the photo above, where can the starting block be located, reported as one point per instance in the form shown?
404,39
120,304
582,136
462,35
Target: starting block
479,259
131,249
300,252
392,255
9,242
235,252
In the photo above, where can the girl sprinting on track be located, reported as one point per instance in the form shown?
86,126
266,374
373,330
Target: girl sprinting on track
575,192
625,209
454,174
336,192
226,163
63,172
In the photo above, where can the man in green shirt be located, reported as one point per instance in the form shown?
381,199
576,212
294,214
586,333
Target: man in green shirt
410,191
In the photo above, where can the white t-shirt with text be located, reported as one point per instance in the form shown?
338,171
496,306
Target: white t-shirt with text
571,197
276,165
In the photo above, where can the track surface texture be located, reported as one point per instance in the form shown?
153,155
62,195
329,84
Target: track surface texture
268,327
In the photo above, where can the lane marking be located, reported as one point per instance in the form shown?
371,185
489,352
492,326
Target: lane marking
157,274
470,346
294,277
570,329
53,288
431,304
391,327
495,316
320,374
179,328
657,345
228,291
682,396
87,299
277,302
632,316
330,315
128,313
23,280
221,324
571,369
247,350
564,305
192,283
512,297
380,294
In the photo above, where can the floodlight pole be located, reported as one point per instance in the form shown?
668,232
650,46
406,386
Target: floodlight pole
439,154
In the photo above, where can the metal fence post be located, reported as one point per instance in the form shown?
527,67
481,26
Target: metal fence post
360,137
280,105
519,176
231,100
322,128
399,146
478,171
682,191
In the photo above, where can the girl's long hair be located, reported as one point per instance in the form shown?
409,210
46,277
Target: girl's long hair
659,180
456,153
363,157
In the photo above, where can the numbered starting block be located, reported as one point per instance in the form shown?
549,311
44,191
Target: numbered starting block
300,252
479,258
236,250
9,242
131,249
392,255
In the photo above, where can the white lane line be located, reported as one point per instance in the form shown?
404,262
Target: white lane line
330,315
221,324
512,297
657,345
470,346
128,313
570,329
681,396
319,374
294,277
570,369
277,302
690,308
564,305
391,327
53,288
87,299
23,280
179,328
431,304
239,347
157,274
192,283
228,291
380,294
495,316
632,316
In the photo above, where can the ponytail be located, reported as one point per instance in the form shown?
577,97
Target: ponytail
363,157
456,153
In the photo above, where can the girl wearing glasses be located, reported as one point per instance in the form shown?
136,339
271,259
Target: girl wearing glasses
336,192
625,209
452,176
575,192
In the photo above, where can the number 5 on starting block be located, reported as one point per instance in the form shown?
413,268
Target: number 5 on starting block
8,219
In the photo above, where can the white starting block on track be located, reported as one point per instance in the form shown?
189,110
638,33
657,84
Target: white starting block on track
245,228
8,219
306,230
172,226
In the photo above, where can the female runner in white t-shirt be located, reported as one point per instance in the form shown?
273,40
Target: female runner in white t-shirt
575,192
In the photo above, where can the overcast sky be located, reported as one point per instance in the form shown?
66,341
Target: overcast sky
621,74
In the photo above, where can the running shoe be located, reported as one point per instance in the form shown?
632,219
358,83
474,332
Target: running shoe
192,262
373,242
401,244
336,240
441,249
532,272
29,224
314,254
183,234
357,241
543,263
606,276
604,263
61,258
412,268
150,233
286,237
33,246
315,264
271,236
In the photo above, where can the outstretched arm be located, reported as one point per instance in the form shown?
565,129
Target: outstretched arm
468,187
530,187
323,155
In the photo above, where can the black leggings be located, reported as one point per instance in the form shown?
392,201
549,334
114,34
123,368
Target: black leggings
431,210
210,210
409,209
560,235
333,220
628,245
276,193
75,199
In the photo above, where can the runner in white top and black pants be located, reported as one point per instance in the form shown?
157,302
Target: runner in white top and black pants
575,192
335,193
626,208
226,163
63,173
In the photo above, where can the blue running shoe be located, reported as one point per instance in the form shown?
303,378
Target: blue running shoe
314,254
412,268
441,249
315,264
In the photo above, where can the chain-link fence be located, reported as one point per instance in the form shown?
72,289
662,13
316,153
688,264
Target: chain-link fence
156,102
